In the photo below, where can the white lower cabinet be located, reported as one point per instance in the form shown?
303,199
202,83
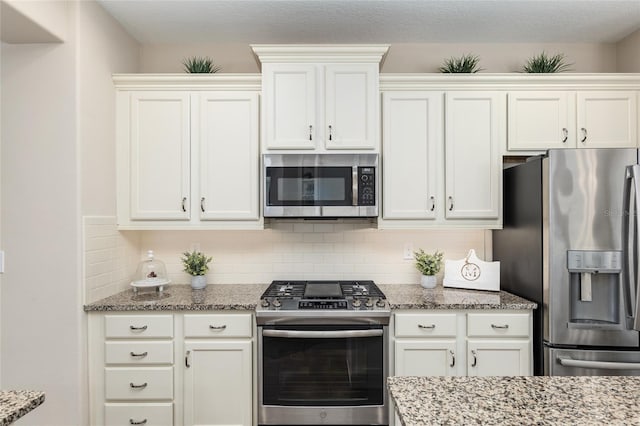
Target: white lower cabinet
156,414
463,343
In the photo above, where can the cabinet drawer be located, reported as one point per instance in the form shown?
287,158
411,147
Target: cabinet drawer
139,383
138,352
494,325
160,414
217,325
138,326
425,325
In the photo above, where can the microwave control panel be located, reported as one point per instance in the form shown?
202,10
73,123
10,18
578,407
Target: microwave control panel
366,186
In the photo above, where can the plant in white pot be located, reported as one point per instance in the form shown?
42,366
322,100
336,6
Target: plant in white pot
196,264
428,265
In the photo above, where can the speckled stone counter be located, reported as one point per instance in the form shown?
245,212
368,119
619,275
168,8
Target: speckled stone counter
246,297
182,297
413,296
537,400
15,404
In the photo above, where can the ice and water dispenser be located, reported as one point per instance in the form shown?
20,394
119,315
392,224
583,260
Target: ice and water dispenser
594,280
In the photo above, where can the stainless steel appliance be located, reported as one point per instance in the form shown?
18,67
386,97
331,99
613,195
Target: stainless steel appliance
323,357
320,185
570,243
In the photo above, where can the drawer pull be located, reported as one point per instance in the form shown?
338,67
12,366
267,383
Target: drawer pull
453,359
503,327
217,327
475,359
134,328
142,386
429,327
140,355
137,422
186,360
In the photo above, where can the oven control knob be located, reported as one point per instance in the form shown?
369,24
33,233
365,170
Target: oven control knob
356,303
276,303
369,303
265,303
380,303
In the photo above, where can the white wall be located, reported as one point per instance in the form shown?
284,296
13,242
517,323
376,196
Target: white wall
628,53
56,162
34,21
425,57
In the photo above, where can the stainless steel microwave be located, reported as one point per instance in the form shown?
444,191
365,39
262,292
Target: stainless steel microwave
320,185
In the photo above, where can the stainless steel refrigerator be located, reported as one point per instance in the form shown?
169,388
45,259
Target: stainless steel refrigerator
570,243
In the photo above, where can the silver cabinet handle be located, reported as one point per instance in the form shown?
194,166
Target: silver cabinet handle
140,355
450,203
142,386
330,132
202,204
504,327
603,365
184,201
217,327
138,422
186,359
453,359
433,203
134,328
310,132
584,133
322,334
475,359
565,132
429,327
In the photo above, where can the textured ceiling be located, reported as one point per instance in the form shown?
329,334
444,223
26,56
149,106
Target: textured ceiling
376,21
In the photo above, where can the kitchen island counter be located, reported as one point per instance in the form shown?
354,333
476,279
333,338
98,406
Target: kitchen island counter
413,296
15,404
540,400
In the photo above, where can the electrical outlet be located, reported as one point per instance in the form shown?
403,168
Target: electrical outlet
407,253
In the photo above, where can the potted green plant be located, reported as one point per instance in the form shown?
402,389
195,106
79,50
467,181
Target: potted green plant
428,265
196,264
200,65
544,63
465,64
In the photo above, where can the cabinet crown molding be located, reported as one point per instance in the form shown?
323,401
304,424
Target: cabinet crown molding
186,81
266,53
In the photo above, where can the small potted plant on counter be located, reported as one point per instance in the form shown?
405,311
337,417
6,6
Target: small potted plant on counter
196,264
428,265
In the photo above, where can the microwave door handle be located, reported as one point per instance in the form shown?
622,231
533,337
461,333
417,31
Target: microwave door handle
354,185
629,270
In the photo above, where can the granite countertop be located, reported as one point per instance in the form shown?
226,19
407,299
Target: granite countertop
540,400
15,404
413,296
246,296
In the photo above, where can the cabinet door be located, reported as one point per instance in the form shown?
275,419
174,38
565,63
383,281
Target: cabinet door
428,357
228,142
351,106
541,120
159,155
607,119
505,357
474,133
412,129
290,106
217,383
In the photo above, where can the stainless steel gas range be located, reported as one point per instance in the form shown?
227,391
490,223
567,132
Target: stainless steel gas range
323,353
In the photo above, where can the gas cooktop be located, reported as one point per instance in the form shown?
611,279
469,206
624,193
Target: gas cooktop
329,297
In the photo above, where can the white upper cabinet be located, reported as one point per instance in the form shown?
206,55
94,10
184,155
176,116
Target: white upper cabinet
474,135
540,120
321,97
442,162
188,156
159,141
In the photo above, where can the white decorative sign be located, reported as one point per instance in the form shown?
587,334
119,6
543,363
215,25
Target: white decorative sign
472,273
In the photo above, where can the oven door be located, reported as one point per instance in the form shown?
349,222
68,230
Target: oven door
323,374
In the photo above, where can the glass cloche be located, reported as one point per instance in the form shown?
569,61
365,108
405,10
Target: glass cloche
151,273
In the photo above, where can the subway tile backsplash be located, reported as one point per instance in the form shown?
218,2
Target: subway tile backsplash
285,250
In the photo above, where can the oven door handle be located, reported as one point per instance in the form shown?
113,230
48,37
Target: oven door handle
602,365
322,334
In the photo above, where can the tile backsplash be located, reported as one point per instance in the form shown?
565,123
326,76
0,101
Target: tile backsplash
285,250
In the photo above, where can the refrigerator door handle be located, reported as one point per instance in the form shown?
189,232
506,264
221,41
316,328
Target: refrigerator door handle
602,365
630,285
